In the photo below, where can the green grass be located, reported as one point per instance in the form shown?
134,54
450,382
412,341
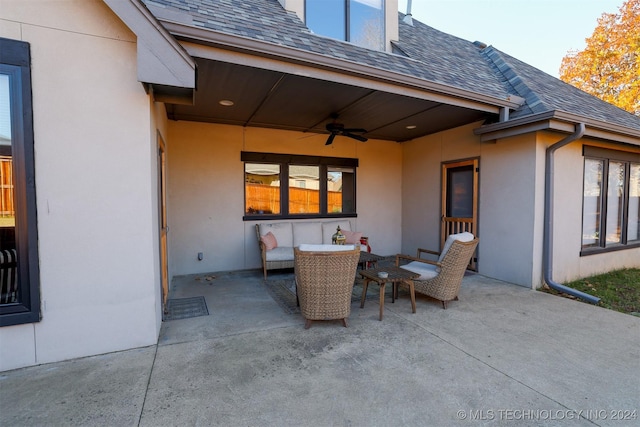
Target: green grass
618,290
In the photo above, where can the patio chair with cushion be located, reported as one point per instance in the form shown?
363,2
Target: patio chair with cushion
324,280
441,279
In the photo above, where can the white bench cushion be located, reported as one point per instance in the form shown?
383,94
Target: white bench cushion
281,230
307,232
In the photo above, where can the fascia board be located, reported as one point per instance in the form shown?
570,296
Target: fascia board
161,59
558,121
547,121
258,49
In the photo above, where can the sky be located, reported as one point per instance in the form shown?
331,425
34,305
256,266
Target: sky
538,32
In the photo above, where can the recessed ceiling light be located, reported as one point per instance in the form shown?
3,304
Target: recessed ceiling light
411,127
226,102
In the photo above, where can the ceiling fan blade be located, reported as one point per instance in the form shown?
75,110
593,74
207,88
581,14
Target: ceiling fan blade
330,139
358,137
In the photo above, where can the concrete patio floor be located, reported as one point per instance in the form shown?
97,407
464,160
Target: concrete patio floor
501,355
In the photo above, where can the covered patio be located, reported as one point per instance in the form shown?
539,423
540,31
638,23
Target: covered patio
248,362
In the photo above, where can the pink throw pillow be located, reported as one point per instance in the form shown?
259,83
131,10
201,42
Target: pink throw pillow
269,241
353,237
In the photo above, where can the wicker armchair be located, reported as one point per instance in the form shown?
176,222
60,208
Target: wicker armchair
441,279
324,281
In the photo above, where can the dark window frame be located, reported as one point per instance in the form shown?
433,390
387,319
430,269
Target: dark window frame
15,61
284,160
607,155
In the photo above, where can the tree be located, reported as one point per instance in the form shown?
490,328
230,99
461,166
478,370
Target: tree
609,66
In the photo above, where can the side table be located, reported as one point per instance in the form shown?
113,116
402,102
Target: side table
395,276
368,259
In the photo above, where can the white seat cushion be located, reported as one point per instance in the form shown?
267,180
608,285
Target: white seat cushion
281,253
426,271
463,237
326,248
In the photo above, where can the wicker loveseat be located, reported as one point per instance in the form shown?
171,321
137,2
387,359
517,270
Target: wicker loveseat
287,235
324,281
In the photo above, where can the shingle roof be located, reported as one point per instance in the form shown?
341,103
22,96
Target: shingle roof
268,21
428,54
547,93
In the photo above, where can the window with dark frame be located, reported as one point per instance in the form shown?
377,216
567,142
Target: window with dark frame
611,200
360,22
19,272
295,186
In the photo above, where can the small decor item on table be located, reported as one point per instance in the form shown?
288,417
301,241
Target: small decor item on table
338,238
383,274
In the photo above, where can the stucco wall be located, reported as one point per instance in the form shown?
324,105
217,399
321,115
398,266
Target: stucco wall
206,192
507,201
95,177
567,237
509,209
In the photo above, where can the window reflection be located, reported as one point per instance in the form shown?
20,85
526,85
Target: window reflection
262,188
304,189
366,23
360,22
614,202
340,190
8,254
327,18
591,202
633,224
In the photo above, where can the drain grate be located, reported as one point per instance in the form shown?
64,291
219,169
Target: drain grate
184,308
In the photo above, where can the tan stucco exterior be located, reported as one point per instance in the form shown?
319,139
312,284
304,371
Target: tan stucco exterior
95,185
206,191
568,265
96,143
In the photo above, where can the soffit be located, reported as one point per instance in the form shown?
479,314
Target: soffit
277,99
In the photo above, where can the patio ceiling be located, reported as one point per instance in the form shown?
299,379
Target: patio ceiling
280,100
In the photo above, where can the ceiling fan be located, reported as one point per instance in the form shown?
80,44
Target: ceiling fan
336,129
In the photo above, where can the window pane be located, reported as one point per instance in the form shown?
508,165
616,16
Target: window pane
591,202
8,255
341,190
460,192
366,23
633,224
327,18
615,198
262,188
304,189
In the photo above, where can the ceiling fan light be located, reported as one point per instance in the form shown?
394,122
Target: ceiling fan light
411,127
226,102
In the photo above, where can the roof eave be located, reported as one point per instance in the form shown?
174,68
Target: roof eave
162,62
558,121
207,37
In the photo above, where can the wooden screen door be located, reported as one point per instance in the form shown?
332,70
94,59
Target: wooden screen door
162,206
460,200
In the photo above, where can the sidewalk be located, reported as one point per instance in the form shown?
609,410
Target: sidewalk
501,355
